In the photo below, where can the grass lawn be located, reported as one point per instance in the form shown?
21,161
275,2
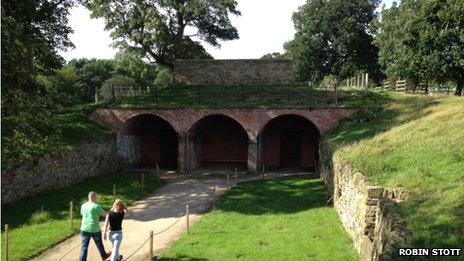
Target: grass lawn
285,219
295,96
38,222
416,142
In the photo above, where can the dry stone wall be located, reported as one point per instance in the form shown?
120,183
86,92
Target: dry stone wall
60,170
233,72
367,212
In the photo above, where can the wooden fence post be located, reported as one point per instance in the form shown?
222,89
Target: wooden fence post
71,213
157,170
214,197
187,218
143,181
150,258
7,230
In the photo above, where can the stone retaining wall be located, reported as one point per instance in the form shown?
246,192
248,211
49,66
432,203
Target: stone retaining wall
367,212
60,170
233,72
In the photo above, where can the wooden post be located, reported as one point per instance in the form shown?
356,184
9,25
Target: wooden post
187,218
150,258
367,81
71,213
157,170
214,197
114,190
347,83
143,180
7,230
336,94
96,94
362,80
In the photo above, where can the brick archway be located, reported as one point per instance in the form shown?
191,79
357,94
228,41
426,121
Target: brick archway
147,140
288,141
218,141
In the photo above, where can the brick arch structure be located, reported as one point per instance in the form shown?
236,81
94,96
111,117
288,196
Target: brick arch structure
288,141
252,120
147,140
217,140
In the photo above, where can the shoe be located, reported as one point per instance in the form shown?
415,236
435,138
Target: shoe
120,257
106,256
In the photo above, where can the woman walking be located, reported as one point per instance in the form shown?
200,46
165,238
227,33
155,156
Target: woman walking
114,221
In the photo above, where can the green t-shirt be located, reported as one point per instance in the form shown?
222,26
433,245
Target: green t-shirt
90,217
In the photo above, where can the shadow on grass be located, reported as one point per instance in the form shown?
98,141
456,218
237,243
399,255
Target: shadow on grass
55,204
273,196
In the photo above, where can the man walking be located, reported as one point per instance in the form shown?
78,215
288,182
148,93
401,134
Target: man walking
90,227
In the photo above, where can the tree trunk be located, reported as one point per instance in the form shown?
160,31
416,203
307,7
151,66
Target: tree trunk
459,85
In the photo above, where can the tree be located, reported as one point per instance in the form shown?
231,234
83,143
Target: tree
334,37
129,64
156,29
275,55
32,33
92,74
423,41
116,85
442,35
400,54
62,87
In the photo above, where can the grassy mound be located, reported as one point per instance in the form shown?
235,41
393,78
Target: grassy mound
416,142
295,96
267,220
38,222
27,137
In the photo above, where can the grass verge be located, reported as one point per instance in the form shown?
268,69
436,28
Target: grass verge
283,219
38,222
416,142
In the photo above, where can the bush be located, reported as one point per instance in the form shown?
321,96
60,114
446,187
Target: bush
163,78
121,84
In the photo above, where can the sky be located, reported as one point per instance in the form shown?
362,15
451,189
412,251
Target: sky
263,27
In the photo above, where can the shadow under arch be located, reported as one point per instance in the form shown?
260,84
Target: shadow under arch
218,142
288,141
146,140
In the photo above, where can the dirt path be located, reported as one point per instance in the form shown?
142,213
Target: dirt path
155,213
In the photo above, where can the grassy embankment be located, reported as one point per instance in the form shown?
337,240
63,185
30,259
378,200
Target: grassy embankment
26,138
38,222
295,96
285,219
416,142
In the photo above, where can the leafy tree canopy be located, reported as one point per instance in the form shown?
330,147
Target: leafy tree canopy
275,55
423,41
334,37
32,33
156,29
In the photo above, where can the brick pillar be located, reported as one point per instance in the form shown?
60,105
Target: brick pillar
182,153
252,161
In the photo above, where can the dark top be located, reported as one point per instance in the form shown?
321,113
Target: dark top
115,219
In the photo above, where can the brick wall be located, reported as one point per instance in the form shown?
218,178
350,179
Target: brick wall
60,170
233,72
